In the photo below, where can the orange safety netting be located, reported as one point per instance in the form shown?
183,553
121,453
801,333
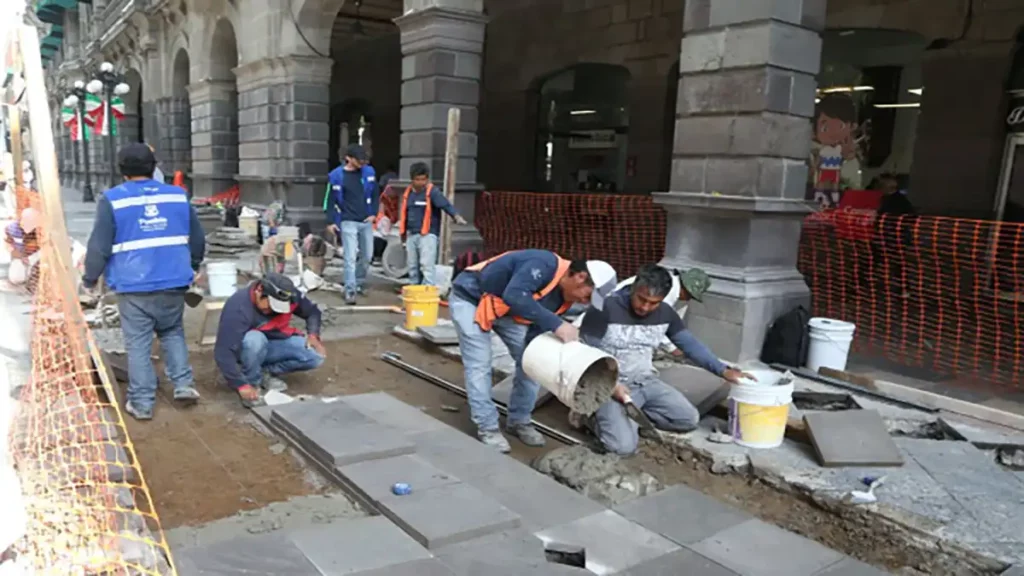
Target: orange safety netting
944,295
88,506
627,231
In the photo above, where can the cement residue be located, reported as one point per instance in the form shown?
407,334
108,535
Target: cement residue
298,512
601,477
595,386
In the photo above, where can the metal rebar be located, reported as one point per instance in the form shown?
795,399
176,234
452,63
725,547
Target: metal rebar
395,359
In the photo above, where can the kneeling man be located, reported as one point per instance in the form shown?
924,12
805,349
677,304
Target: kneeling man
630,327
256,343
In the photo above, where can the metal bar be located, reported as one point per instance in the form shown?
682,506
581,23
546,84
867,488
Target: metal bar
395,359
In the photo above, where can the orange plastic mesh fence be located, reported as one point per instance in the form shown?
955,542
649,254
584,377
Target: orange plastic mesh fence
89,508
940,294
627,231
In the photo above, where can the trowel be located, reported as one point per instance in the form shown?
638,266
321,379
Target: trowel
640,418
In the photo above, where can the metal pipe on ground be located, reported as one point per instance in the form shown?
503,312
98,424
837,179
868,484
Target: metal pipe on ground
395,359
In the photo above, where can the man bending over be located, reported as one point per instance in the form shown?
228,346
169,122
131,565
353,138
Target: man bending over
630,327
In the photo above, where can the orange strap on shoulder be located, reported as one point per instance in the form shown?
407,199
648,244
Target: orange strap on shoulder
492,307
179,179
425,227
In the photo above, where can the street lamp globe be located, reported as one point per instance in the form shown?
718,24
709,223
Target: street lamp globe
122,89
71,101
79,84
94,86
106,67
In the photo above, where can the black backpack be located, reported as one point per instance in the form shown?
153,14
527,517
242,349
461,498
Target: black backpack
787,339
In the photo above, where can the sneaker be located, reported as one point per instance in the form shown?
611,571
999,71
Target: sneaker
350,299
527,434
494,439
138,413
271,382
186,395
361,291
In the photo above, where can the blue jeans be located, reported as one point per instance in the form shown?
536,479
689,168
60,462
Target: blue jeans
142,316
357,244
275,356
667,408
421,254
475,346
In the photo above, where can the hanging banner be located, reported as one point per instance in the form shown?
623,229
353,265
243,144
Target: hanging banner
96,114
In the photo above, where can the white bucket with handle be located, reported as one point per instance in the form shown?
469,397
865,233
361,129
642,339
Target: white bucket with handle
580,376
830,343
223,278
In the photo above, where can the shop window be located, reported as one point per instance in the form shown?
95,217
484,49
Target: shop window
583,129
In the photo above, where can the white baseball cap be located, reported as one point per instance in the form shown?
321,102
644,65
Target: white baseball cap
604,278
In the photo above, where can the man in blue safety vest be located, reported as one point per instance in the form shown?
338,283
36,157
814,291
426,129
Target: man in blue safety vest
148,242
351,202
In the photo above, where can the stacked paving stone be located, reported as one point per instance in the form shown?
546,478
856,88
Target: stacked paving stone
474,511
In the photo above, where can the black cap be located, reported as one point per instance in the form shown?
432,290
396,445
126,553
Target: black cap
281,292
136,159
356,151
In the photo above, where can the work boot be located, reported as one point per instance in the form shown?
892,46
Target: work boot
361,291
271,382
138,413
186,395
495,439
350,298
527,434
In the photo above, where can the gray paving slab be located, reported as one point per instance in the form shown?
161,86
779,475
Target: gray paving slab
356,546
613,544
851,567
264,554
981,434
448,514
502,392
960,468
539,500
375,478
679,562
672,511
1014,571
439,335
430,567
388,410
460,454
852,438
756,548
338,434
703,389
512,553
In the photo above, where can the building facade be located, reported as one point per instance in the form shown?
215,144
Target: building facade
720,108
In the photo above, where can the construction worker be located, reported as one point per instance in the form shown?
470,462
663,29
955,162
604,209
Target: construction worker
351,203
518,295
419,223
630,327
148,242
256,344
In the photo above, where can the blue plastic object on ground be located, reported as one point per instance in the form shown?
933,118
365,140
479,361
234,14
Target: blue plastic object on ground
401,489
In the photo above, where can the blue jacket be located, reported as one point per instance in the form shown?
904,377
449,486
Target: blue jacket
146,238
334,196
516,277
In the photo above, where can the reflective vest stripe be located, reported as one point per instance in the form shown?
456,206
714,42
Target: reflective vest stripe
148,200
133,245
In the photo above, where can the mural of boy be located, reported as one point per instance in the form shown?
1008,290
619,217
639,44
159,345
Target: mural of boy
835,123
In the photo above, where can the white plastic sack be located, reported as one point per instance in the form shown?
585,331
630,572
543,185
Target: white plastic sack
17,273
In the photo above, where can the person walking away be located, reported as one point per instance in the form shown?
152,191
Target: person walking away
158,174
147,242
630,327
22,242
420,213
256,344
517,295
352,204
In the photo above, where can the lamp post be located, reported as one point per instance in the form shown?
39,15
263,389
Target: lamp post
76,100
110,84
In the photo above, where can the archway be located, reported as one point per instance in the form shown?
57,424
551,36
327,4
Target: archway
131,128
179,139
215,116
583,129
365,44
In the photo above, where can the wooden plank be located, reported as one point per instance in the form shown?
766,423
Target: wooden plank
940,402
857,379
451,160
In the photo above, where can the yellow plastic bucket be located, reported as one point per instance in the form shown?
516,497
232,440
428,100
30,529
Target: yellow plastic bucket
758,412
421,304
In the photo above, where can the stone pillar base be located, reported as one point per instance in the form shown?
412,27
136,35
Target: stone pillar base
745,246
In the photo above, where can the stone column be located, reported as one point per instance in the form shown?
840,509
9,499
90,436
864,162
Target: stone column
442,47
283,133
214,136
739,167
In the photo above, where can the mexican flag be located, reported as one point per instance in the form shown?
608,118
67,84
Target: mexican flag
95,111
71,118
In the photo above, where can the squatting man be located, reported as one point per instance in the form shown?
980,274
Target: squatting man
630,326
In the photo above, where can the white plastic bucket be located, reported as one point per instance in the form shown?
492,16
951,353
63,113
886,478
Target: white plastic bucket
580,376
758,411
830,343
223,277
